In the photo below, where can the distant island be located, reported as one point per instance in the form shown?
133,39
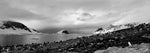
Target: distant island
63,32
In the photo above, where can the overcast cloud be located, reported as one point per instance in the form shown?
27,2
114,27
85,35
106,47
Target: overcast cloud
42,14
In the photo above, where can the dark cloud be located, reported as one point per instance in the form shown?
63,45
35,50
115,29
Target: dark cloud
9,12
15,13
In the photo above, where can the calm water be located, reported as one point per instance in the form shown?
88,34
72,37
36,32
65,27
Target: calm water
25,39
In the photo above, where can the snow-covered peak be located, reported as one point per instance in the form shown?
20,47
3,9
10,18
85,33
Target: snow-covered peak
112,28
13,27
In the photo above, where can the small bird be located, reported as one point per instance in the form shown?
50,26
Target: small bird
129,43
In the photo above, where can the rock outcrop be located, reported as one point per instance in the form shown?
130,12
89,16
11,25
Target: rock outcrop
63,32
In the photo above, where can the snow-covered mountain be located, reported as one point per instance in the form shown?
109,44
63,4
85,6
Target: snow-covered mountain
112,28
13,27
63,32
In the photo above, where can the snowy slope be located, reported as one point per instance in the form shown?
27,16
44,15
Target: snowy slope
13,27
112,28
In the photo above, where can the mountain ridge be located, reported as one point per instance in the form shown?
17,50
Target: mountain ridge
112,28
14,27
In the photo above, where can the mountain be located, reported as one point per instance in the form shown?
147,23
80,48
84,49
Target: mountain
112,28
63,32
13,27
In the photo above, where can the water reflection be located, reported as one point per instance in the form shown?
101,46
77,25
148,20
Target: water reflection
11,39
32,39
27,39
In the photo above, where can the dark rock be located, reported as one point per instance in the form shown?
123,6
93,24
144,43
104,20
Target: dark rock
63,32
99,29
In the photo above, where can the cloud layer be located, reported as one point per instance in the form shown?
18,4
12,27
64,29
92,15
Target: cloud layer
41,14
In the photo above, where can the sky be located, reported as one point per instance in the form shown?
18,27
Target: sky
74,15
